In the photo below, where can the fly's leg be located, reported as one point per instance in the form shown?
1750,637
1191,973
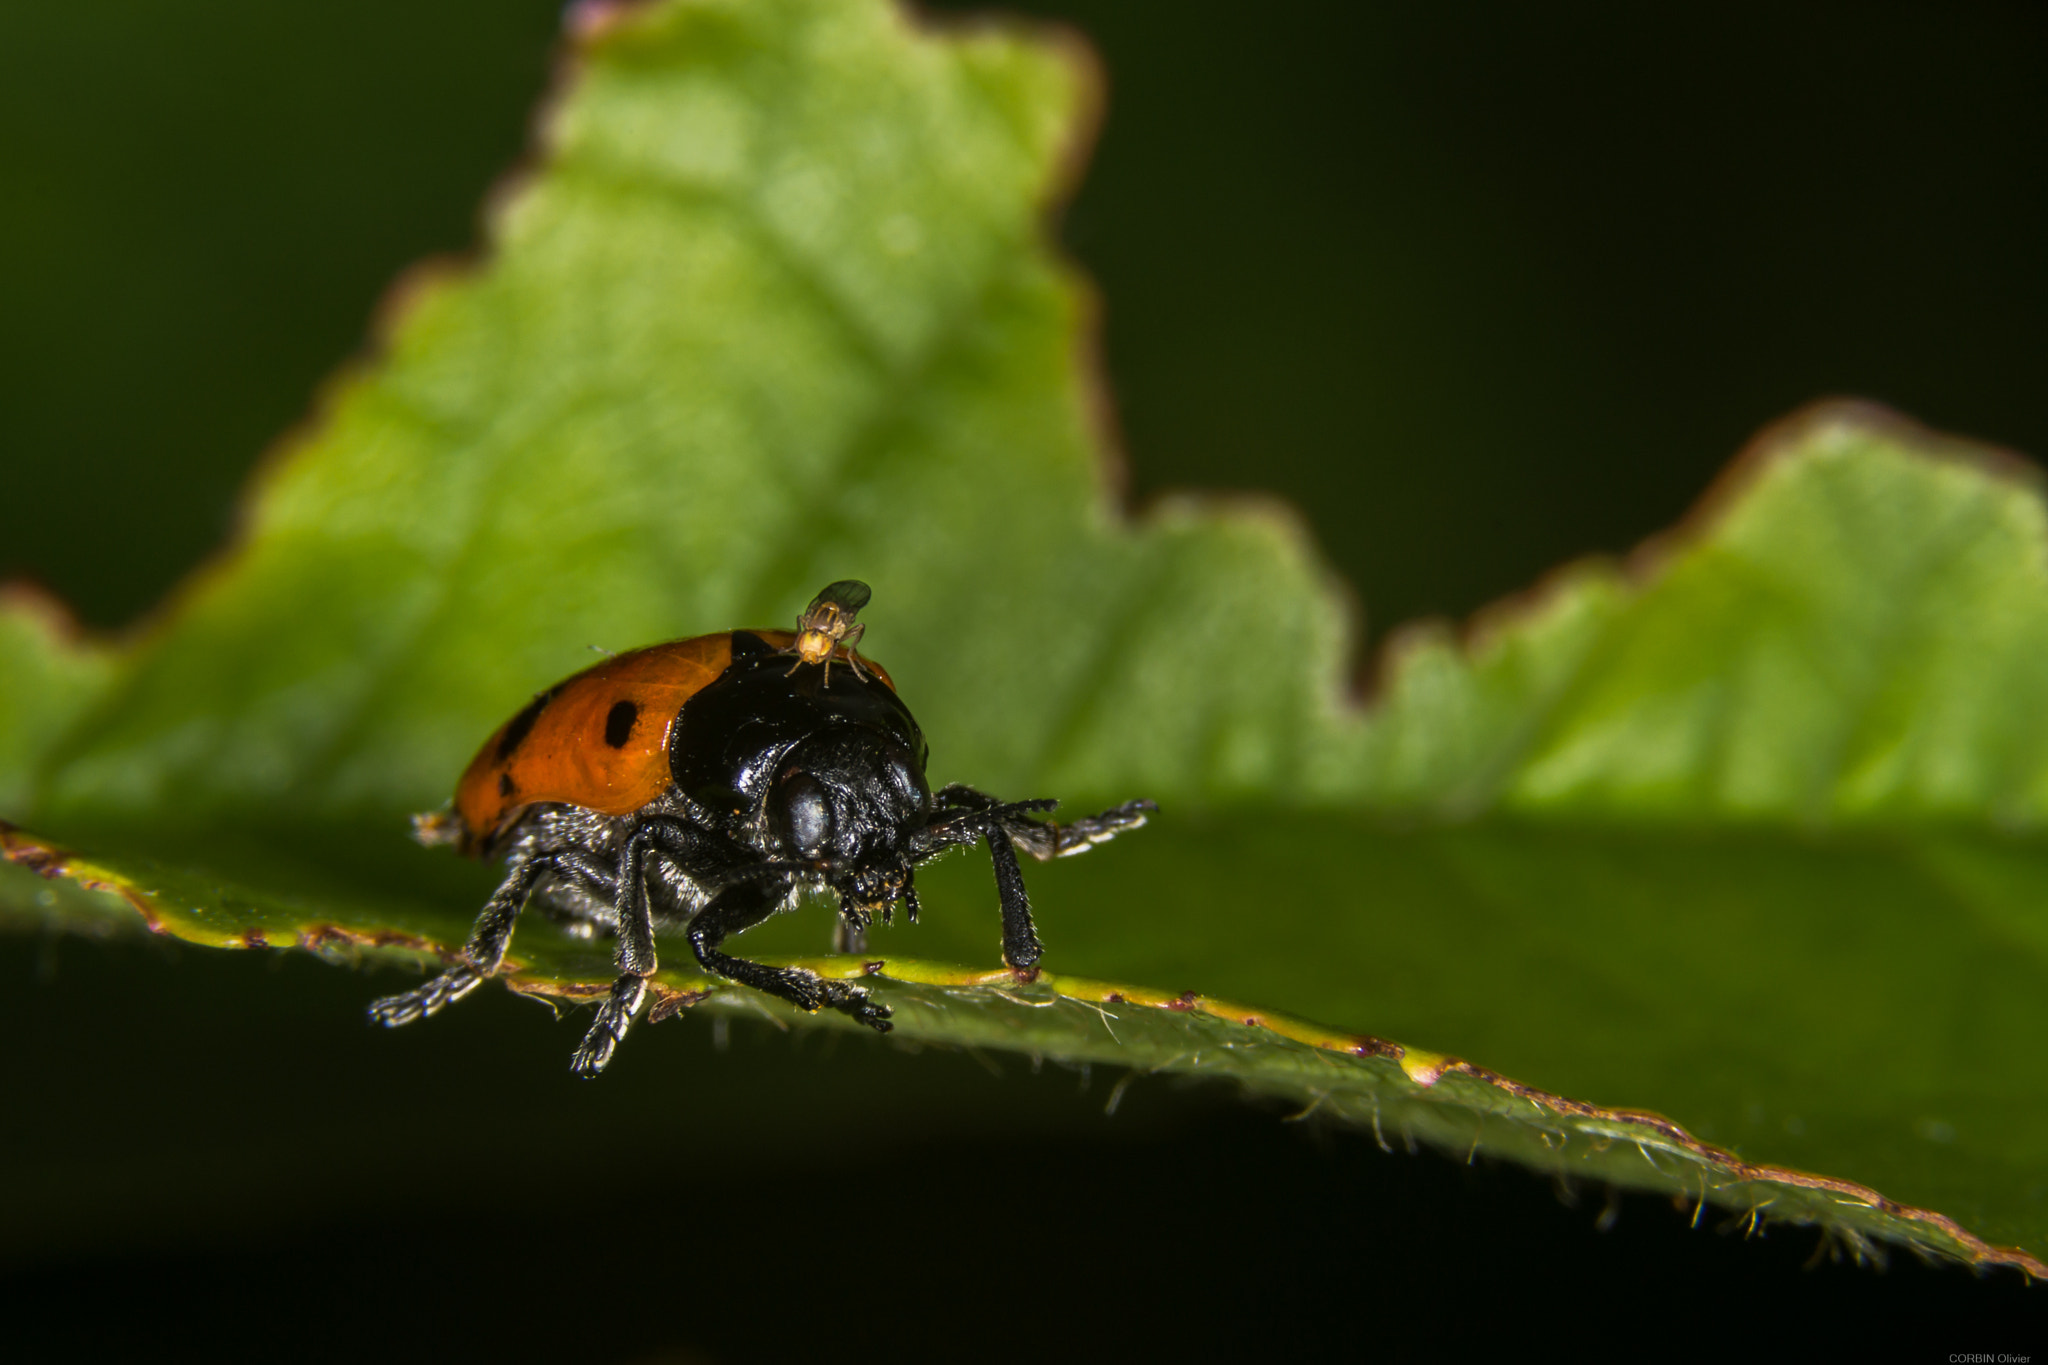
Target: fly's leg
485,951
745,904
852,639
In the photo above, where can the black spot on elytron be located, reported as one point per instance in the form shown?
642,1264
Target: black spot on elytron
505,785
745,643
522,724
618,723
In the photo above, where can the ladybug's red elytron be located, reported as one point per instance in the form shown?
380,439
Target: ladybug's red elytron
703,785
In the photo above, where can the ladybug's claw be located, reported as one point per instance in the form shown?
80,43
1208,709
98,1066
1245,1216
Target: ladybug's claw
848,999
443,990
614,1016
854,1002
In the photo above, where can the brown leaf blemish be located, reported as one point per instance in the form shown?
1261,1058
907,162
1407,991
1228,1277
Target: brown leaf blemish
47,860
668,1003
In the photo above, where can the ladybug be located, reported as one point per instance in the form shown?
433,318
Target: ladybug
701,786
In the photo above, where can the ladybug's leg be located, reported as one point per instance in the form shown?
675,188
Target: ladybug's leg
635,953
698,855
742,906
614,1016
1006,826
959,795
1021,948
1009,832
1048,840
1043,839
967,815
485,951
964,815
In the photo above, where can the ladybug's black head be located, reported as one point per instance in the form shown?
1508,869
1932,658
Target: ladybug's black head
852,796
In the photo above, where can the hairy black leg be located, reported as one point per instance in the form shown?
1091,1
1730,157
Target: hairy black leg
701,855
1048,840
445,989
971,815
635,953
593,872
614,1016
745,904
485,950
1041,839
1021,948
964,814
960,796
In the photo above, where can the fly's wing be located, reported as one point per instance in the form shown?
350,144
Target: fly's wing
848,594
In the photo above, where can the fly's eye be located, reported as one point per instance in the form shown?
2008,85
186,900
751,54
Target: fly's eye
806,815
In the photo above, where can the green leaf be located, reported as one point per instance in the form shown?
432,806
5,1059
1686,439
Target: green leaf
1749,834
48,677
1850,634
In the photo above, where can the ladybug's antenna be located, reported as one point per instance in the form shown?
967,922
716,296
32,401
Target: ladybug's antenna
829,623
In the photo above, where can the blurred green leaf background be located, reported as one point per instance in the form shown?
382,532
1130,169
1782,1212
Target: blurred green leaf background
1482,298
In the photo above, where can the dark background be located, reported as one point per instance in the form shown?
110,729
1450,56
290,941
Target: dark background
1481,289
